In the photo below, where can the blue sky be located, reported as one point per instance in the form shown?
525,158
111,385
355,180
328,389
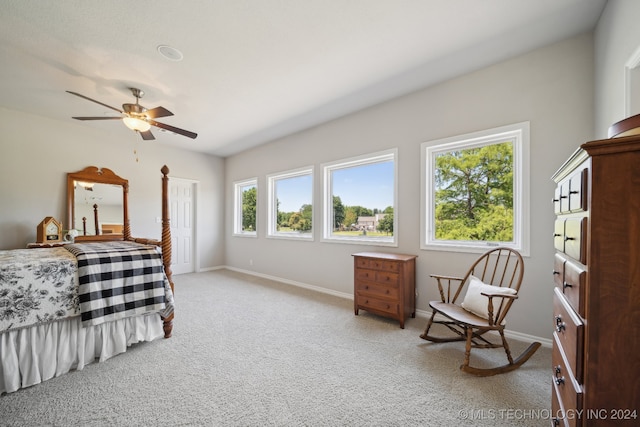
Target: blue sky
294,192
370,186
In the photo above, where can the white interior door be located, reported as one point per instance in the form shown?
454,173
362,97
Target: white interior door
182,200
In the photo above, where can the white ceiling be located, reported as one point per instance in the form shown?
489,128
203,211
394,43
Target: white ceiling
256,70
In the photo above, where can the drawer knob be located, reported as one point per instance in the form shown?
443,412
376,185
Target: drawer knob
558,371
569,238
556,273
560,325
567,285
574,192
555,200
557,234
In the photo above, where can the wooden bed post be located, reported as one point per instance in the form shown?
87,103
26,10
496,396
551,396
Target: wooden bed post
95,219
126,229
166,242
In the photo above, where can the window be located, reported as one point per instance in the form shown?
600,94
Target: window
359,200
476,190
291,204
245,205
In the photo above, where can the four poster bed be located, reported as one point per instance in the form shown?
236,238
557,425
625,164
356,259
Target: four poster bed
63,306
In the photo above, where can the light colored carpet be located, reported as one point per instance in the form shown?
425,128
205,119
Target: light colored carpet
247,351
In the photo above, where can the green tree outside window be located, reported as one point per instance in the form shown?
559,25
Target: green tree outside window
474,194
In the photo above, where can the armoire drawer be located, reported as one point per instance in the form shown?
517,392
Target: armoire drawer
578,191
571,195
568,390
569,331
558,269
558,414
575,238
570,237
573,286
558,235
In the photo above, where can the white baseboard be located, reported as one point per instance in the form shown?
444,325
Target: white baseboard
546,342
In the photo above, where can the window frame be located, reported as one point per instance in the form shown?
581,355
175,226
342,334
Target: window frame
237,207
272,212
519,134
327,197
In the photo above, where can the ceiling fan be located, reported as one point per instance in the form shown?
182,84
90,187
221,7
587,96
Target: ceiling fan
138,118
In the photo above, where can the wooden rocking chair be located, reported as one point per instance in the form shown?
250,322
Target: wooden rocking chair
493,281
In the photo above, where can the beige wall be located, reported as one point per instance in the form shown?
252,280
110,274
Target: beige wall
36,153
551,87
617,38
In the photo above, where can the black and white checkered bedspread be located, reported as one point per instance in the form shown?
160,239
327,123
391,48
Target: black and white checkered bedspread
120,279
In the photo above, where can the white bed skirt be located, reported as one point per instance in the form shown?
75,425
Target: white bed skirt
31,355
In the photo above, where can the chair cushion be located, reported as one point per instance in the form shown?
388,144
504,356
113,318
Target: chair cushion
477,303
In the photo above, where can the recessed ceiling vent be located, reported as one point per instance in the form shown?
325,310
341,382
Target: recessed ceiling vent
171,53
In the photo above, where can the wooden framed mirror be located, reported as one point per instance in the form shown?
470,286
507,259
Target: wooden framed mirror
97,205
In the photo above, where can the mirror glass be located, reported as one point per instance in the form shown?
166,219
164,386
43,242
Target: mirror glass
97,204
106,199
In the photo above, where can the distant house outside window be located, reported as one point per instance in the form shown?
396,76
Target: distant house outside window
475,190
360,200
245,207
290,214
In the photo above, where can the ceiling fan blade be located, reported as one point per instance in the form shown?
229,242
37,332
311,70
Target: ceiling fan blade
93,100
173,129
158,112
147,135
97,118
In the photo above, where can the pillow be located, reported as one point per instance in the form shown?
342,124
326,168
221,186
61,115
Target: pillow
478,304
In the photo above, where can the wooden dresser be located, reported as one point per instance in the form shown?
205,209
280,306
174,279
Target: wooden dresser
384,284
596,298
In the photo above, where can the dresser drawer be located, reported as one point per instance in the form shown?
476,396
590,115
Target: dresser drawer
573,286
372,289
362,262
387,279
384,265
377,264
364,274
568,390
380,277
569,331
378,304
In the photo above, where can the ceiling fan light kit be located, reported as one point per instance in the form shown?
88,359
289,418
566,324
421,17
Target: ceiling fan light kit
138,118
136,124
